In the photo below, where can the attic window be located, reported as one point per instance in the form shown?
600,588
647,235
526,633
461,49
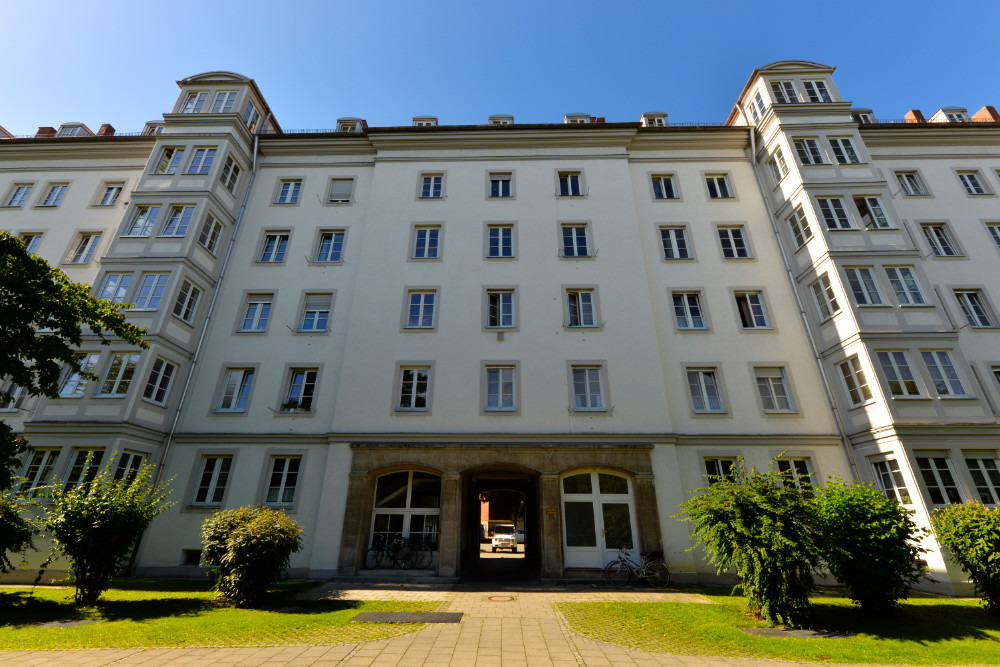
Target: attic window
425,121
576,118
501,120
654,120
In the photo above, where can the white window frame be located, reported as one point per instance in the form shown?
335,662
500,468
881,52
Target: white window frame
939,239
497,179
826,298
85,248
664,188
972,183
330,250
31,242
170,160
719,187
79,471
575,240
431,186
230,174
799,224
890,480
944,373
973,304
426,242
939,479
211,232
158,382
420,310
112,191
500,241
689,314
240,382
705,390
905,286
674,242
187,301
569,183
734,242
864,287
816,91
194,102
777,165
501,308
256,313
844,151
855,381
581,308
994,230
336,195
37,470
500,390
834,213
899,377
118,377
587,388
985,474
143,220
210,489
224,101
201,160
774,389
807,148
19,194
74,382
316,310
150,291
413,388
177,221
797,472
288,191
274,248
282,481
753,315
911,184
115,287
871,212
300,390
784,92
55,194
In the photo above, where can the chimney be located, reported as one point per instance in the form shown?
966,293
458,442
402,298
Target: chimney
45,132
914,116
599,119
987,114
106,130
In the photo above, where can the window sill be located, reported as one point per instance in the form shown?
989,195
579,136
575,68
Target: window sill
229,413
842,229
916,305
583,327
963,397
295,413
874,305
946,257
919,397
430,198
782,413
656,199
862,405
284,203
491,258
684,330
251,332
107,396
882,229
261,262
677,259
571,196
424,259
710,413
311,332
573,257
418,329
154,403
411,411
590,411
501,411
757,330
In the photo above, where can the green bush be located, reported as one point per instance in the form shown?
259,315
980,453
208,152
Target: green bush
16,530
971,533
760,524
869,543
249,547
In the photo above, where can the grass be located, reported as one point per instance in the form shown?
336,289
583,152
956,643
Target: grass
926,630
187,613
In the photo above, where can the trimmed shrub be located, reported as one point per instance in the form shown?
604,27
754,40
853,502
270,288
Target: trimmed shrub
971,533
249,547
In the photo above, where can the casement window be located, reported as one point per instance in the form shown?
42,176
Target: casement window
663,187
944,375
753,314
834,215
796,473
414,385
330,247
301,390
939,240
588,390
170,161
843,150
257,312
569,184
119,375
283,479
703,386
236,387
905,286
431,186
687,310
85,248
211,230
890,479
777,165
799,224
753,112
501,393
500,309
808,151
939,479
36,473
872,214
143,221
112,191
158,381
178,221
75,382
31,242
426,242
574,241
718,186
985,476
212,481
341,190
12,397
500,185
84,468
151,288
128,466
288,193
499,241
719,468
759,100
230,174
994,233
675,244
201,161
316,312
187,301
580,305
224,101
772,386
971,183
55,195
273,249
974,308
826,299
816,91
250,116
910,182
115,287
855,381
733,241
19,195
194,103
420,309
784,92
896,368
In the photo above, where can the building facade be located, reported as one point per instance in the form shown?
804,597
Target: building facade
370,327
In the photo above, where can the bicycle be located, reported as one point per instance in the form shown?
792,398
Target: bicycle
399,552
621,570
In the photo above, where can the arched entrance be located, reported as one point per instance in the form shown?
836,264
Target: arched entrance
492,497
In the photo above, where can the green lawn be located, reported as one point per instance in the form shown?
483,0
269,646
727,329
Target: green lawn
926,631
186,613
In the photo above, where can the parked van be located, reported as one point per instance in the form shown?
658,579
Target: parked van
504,537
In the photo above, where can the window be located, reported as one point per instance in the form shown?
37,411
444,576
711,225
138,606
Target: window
816,91
733,242
896,368
19,195
250,116
784,92
753,112
119,375
397,497
760,102
331,246
111,194
703,386
974,308
718,186
187,301
288,193
943,373
230,174
15,396
201,163
413,388
500,388
431,186
799,224
796,473
500,185
420,309
212,482
569,184
75,381
55,195
257,311
891,480
158,381
86,464
574,241
716,468
500,309
587,389
115,287
939,240
687,310
236,387
129,464
826,300
211,230
777,165
753,315
855,381
194,102
904,285
499,241
301,388
910,182
341,190
663,187
31,242
834,215
939,480
274,248
970,180
224,101
871,212
995,233
170,161
985,475
862,282
316,312
178,221
85,248
808,151
151,287
143,221
426,242
843,150
580,304
675,245
772,385
37,472
284,477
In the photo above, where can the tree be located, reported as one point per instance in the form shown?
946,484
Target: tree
971,534
16,530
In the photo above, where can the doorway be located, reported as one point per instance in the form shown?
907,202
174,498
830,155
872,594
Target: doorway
500,498
598,518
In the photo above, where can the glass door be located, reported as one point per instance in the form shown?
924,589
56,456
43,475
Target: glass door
598,518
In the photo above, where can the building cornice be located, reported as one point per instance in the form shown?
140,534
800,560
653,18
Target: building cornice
76,148
910,135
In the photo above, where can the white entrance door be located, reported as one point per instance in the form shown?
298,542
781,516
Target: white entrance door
598,518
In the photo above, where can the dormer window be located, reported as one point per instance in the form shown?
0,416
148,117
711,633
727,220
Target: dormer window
67,131
784,92
863,116
349,125
501,119
950,115
250,116
576,118
425,121
654,119
816,91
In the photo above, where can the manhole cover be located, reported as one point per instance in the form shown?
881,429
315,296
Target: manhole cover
802,634
408,617
500,598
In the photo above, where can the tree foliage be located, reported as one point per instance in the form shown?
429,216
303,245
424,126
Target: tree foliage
971,533
16,530
249,547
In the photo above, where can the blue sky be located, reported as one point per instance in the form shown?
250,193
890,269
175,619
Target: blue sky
116,62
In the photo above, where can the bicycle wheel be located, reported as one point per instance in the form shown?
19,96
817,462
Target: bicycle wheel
372,558
388,558
656,574
618,573
406,556
422,556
